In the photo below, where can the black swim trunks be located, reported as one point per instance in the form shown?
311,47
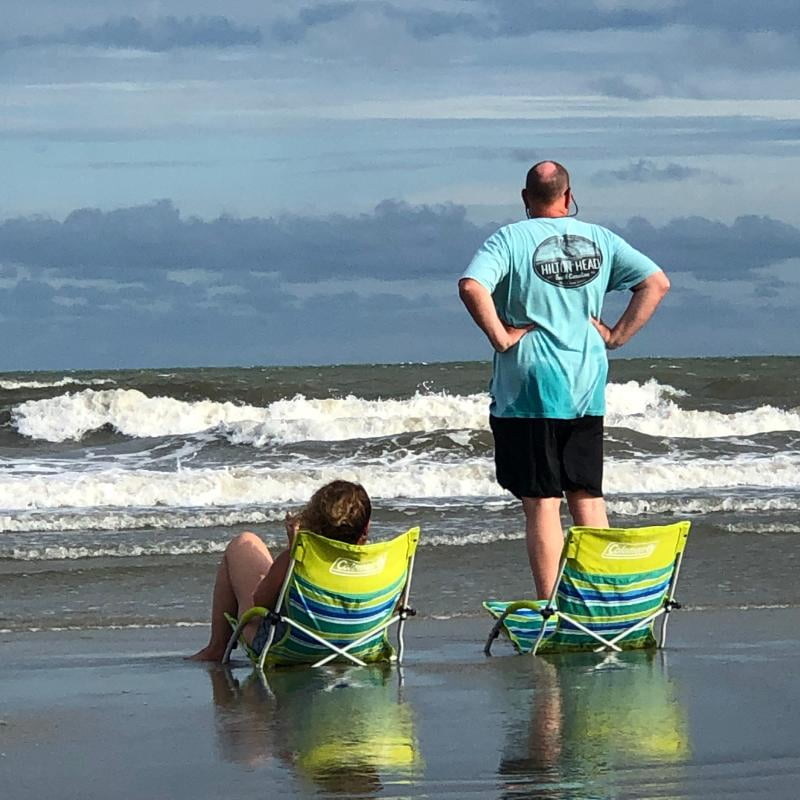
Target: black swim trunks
547,457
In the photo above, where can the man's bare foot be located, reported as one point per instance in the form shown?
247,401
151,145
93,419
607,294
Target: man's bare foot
207,654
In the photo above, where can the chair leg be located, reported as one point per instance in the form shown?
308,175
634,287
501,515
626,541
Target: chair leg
604,642
640,624
401,645
342,651
337,651
662,637
493,634
250,614
539,638
232,643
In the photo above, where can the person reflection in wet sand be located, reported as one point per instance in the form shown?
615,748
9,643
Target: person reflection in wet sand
348,735
593,720
535,756
243,714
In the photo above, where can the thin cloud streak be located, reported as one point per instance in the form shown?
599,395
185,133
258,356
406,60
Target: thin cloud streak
158,36
648,171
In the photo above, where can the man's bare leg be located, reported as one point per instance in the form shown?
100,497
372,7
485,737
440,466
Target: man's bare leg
545,540
585,509
245,562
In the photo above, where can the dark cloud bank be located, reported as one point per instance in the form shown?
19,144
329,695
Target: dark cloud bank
394,241
488,19
482,19
146,286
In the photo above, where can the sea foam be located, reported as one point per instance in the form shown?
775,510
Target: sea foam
12,385
116,519
472,480
648,408
235,486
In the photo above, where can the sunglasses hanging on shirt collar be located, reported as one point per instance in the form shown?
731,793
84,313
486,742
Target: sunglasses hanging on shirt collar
572,200
574,203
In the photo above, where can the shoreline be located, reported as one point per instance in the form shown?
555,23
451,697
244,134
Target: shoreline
713,714
459,619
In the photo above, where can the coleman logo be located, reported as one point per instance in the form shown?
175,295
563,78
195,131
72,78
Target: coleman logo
347,566
567,261
616,550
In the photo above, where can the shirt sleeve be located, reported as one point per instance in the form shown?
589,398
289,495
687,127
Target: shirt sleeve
491,263
628,265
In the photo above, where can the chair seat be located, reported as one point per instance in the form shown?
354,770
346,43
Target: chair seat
613,584
339,600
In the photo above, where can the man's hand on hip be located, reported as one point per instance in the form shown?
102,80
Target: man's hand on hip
645,296
513,335
480,305
605,332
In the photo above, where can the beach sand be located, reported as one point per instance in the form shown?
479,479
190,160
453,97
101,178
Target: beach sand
120,713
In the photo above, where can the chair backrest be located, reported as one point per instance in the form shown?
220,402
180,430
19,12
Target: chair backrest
341,592
612,579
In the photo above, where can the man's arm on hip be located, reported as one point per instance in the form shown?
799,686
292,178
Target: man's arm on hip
480,305
644,300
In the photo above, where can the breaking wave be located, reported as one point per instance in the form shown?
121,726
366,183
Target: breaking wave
244,488
12,385
648,408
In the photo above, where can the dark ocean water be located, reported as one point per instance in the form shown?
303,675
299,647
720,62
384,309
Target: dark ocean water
119,489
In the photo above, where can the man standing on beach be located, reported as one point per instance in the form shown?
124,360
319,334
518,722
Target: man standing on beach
536,289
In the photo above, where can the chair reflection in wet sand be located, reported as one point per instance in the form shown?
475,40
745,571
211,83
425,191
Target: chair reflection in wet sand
348,731
596,729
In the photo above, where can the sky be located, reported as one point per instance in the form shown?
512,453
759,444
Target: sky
189,183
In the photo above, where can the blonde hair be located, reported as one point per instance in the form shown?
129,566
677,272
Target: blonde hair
339,510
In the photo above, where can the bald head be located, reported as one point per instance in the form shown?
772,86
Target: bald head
546,183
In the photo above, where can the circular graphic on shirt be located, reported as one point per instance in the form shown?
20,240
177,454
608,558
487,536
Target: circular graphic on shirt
567,261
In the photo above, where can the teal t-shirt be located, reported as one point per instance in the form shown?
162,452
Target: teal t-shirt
554,272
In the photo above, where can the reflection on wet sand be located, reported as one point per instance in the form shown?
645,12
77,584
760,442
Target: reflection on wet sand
348,732
595,728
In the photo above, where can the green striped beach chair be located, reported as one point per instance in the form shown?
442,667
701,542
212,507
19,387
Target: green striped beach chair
613,584
338,601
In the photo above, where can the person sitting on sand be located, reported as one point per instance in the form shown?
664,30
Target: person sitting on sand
248,575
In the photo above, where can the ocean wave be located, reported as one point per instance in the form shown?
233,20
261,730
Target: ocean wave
72,551
132,413
11,385
470,480
122,550
111,626
648,407
337,419
679,506
128,411
474,538
114,520
677,474
235,486
761,527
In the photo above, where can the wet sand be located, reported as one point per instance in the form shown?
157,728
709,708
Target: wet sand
122,714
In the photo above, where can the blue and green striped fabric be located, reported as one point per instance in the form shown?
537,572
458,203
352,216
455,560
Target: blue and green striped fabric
523,625
339,618
612,579
607,605
341,593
